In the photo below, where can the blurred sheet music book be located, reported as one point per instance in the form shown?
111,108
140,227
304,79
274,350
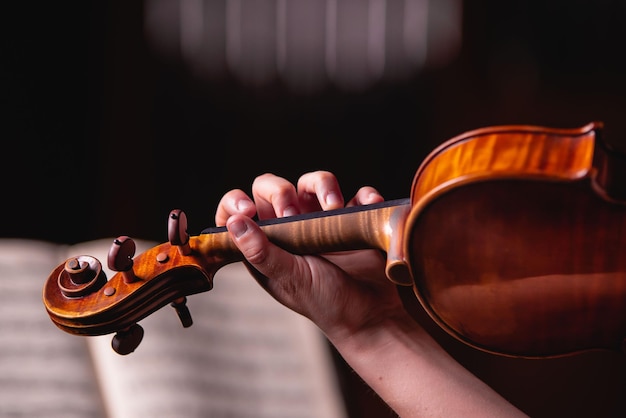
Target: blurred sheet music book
245,355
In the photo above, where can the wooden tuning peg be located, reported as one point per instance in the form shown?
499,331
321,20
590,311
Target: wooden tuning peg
180,305
177,231
120,257
126,341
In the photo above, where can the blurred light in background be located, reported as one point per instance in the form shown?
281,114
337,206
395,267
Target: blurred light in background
306,44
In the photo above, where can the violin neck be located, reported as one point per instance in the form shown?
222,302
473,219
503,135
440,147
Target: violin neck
354,228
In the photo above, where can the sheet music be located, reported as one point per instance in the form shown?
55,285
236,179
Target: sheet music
245,356
44,372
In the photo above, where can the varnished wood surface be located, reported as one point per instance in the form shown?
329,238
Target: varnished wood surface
517,249
507,151
525,267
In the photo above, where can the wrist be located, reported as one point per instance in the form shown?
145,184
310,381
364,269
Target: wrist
378,333
413,374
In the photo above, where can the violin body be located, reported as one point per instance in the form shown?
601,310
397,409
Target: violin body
514,240
519,249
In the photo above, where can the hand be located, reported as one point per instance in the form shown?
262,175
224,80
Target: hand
343,292
350,299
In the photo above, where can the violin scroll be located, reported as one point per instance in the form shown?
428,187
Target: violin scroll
81,300
80,276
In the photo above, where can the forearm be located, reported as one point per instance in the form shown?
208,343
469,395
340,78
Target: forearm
415,376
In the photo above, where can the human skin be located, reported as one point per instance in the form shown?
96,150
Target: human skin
347,295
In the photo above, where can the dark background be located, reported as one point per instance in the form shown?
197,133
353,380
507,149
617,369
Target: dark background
102,138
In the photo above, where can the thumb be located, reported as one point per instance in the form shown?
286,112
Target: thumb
278,268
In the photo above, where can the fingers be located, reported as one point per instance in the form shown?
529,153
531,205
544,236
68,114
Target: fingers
274,197
277,197
319,190
234,202
366,195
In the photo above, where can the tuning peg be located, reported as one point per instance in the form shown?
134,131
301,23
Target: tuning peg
177,231
126,341
120,257
180,305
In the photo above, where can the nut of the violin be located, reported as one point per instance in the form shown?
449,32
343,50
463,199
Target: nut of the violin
126,341
177,231
120,257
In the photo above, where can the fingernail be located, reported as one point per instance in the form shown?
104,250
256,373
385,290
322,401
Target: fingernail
243,205
238,228
374,196
333,199
290,211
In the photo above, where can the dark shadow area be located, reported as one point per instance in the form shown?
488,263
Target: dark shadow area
104,138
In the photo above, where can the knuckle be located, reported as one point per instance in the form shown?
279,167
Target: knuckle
256,255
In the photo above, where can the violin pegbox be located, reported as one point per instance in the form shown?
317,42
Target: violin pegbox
120,259
81,300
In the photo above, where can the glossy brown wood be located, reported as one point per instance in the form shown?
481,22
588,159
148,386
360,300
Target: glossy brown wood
512,239
516,249
118,303
163,273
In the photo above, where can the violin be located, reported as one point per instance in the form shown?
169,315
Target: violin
513,239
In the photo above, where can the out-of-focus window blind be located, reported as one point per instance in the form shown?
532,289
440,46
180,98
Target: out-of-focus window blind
306,44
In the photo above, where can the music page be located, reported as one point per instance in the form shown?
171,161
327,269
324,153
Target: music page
244,356
44,372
